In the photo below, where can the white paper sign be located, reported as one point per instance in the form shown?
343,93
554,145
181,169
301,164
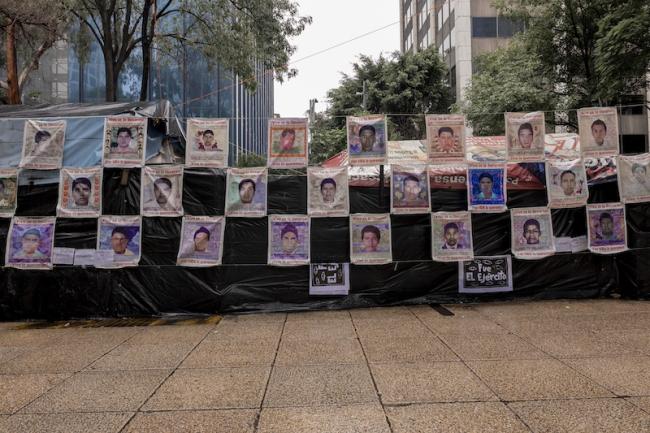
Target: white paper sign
62,256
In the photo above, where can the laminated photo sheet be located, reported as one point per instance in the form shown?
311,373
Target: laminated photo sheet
125,141
525,136
80,192
451,236
201,241
30,243
162,190
288,240
370,239
367,137
207,143
327,192
410,193
43,143
532,233
287,143
607,231
445,138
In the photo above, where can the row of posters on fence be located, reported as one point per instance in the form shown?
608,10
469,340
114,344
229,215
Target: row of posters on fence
80,189
207,140
30,243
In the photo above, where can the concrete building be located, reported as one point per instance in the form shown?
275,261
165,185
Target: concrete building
463,29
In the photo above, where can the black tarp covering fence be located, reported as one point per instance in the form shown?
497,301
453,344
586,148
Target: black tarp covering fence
245,283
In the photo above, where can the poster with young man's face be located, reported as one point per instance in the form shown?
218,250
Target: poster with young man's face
370,240
445,137
451,236
327,192
288,240
246,192
201,241
80,193
8,191
207,143
598,131
287,143
162,191
525,136
30,243
606,228
566,181
532,233
43,144
125,140
121,237
409,189
367,138
633,178
486,187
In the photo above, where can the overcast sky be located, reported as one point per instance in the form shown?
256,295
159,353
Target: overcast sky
334,22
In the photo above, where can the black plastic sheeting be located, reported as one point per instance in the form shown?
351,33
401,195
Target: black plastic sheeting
246,283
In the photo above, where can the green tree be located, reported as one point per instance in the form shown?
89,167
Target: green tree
579,53
508,79
327,138
241,35
409,85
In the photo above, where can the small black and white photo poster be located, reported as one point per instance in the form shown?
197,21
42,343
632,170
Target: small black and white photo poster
329,279
485,275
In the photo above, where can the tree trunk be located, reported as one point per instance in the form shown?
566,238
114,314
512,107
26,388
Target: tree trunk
111,82
13,91
146,50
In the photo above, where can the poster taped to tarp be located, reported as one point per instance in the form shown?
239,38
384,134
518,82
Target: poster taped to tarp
207,143
532,233
525,136
370,239
486,187
201,241
288,240
367,138
566,183
8,191
451,236
607,228
162,191
598,131
80,192
329,279
327,192
633,180
120,239
43,143
448,176
287,143
30,243
125,140
409,189
445,138
485,275
246,192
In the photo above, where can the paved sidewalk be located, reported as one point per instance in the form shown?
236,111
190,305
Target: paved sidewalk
552,366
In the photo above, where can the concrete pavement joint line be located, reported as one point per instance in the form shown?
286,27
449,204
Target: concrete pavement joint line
476,375
258,415
72,374
372,376
138,410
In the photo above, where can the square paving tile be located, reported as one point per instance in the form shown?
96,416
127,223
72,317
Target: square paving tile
622,375
642,402
425,348
317,385
230,353
359,418
171,334
66,423
323,329
395,329
255,318
56,359
491,346
109,337
578,345
31,337
204,421
583,416
459,324
535,379
246,331
17,391
215,388
320,351
121,391
381,313
428,382
484,417
135,356
317,316
636,340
